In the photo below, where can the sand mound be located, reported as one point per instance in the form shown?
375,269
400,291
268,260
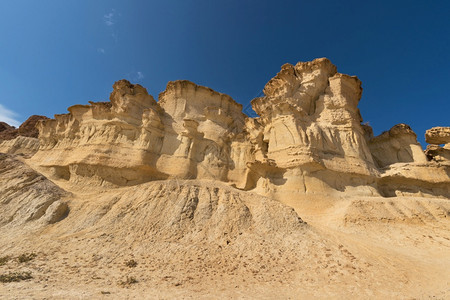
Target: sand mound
27,195
171,210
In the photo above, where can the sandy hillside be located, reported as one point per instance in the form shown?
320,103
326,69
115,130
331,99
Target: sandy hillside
200,239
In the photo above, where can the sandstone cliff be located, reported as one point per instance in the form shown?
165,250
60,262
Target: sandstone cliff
309,139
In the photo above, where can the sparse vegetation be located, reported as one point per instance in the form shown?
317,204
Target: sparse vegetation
26,257
4,260
15,276
131,263
129,281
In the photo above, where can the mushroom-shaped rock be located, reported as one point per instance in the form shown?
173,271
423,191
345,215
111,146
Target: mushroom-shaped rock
438,135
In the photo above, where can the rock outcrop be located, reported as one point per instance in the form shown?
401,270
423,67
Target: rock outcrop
404,167
397,145
28,128
309,139
5,126
22,140
7,132
437,136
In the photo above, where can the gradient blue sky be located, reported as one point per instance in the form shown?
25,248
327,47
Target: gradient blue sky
57,53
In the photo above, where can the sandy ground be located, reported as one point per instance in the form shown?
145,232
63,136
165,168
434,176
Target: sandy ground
347,248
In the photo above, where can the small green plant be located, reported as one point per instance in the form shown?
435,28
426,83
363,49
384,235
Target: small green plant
131,263
129,281
15,276
4,260
26,257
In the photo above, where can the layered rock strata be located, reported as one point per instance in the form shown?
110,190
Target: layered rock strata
309,139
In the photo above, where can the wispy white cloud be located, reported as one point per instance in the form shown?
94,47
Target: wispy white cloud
115,37
8,116
135,76
109,18
101,50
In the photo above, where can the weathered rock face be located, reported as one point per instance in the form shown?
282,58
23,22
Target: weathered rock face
134,139
312,129
200,128
308,139
106,141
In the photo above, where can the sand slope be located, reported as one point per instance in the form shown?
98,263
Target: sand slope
203,239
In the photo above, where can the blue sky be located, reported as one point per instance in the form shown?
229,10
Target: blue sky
55,53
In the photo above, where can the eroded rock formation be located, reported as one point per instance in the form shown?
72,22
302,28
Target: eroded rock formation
89,201
397,145
437,136
312,129
404,167
309,139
